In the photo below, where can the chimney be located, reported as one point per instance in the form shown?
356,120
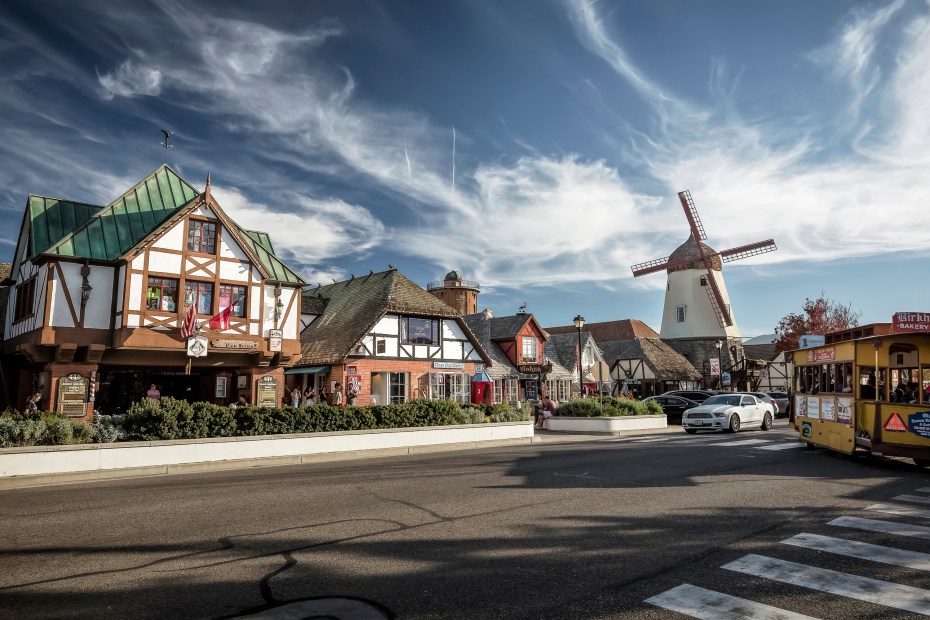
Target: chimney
487,313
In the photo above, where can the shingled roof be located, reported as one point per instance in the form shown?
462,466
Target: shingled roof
351,308
508,327
665,362
501,366
610,331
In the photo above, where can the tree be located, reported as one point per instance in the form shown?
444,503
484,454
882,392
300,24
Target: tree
820,316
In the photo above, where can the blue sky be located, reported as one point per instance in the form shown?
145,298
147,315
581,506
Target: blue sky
330,125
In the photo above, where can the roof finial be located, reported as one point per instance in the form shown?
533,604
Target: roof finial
206,192
167,143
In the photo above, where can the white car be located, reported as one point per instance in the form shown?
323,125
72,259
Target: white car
728,412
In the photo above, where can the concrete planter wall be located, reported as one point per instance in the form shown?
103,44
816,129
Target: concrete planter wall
615,426
51,464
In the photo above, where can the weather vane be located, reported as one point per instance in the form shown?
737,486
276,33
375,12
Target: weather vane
167,142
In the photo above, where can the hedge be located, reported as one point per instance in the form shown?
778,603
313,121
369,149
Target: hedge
169,418
612,407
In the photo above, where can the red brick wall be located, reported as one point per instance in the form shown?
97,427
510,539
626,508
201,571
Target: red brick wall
366,367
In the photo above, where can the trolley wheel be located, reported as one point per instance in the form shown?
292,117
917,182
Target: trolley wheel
734,423
922,462
809,446
766,421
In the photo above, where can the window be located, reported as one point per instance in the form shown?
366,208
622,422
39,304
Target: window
530,349
201,236
233,296
162,294
703,280
419,331
498,390
512,387
398,387
199,295
587,357
680,314
25,299
449,386
380,346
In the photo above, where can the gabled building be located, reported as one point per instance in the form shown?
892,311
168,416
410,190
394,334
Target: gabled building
563,349
387,338
100,292
648,366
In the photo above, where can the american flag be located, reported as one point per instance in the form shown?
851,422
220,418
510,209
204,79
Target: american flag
189,324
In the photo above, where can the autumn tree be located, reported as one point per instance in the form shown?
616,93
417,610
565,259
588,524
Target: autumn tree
819,316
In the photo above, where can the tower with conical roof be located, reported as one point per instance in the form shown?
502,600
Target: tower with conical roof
456,292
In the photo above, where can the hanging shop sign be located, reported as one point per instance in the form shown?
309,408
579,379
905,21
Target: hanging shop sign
275,337
450,365
267,392
72,395
233,344
197,346
715,367
529,369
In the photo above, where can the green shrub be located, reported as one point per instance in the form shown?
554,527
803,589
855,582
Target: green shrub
82,432
612,407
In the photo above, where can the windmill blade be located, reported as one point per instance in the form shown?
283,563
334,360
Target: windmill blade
721,311
750,249
658,264
694,220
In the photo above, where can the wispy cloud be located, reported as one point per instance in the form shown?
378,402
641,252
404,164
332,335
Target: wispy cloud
130,79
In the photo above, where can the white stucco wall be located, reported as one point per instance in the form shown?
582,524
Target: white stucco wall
684,289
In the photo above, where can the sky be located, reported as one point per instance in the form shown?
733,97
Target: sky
536,146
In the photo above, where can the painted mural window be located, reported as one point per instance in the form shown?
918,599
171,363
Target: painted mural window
449,386
530,349
233,296
419,331
398,386
25,299
162,294
201,236
199,295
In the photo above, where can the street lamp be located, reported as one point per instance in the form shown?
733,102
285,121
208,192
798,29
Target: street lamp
719,345
579,323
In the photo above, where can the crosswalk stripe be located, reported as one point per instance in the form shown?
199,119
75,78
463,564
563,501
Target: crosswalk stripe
914,499
783,446
861,550
906,511
886,527
707,604
885,593
746,442
924,490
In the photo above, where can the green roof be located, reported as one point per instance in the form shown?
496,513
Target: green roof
52,218
115,229
260,245
262,238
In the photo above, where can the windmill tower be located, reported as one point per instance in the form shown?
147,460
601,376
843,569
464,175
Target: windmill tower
697,319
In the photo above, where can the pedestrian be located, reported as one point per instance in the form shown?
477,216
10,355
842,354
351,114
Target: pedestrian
295,397
337,396
324,396
153,393
32,403
351,395
309,396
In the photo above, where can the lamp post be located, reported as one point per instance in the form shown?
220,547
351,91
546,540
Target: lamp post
579,323
719,345
278,305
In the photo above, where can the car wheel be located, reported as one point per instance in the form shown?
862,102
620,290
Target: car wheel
690,431
767,421
734,423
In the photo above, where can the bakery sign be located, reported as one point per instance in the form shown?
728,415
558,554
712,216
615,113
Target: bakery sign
911,322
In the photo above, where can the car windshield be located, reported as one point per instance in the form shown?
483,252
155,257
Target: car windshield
722,399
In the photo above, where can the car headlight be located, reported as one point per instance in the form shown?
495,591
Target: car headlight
720,415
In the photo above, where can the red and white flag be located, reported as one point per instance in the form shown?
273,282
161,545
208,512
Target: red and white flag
189,324
221,320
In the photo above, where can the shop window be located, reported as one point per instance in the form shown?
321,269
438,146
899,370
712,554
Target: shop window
530,349
419,331
398,387
25,300
498,391
680,314
201,236
449,386
513,394
233,296
162,294
199,295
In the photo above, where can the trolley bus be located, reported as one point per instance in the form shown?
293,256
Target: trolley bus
866,389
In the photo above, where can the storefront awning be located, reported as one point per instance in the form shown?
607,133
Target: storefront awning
307,370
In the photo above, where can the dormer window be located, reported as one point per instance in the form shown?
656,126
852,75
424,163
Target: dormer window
530,349
201,236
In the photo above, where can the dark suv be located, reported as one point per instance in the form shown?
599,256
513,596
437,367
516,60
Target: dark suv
698,396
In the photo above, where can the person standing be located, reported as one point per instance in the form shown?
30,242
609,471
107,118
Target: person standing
32,403
295,397
153,393
309,396
337,396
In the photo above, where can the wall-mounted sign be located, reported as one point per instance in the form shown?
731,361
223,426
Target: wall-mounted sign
267,392
823,355
453,365
529,369
725,379
275,337
809,341
72,395
911,322
197,346
479,367
351,370
233,344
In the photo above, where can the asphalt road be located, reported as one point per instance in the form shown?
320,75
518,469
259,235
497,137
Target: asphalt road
585,529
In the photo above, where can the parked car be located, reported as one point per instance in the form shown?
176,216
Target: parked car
698,396
763,396
728,412
784,403
673,406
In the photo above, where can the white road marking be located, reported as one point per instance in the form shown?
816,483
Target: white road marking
885,593
861,550
906,511
886,527
914,499
707,604
783,446
746,442
924,490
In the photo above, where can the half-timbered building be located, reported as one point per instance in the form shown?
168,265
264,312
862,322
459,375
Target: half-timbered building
387,339
99,296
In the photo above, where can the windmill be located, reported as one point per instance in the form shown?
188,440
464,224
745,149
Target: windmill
690,267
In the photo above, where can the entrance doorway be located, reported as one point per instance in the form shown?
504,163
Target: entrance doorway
119,389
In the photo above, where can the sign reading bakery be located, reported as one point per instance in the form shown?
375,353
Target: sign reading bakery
910,322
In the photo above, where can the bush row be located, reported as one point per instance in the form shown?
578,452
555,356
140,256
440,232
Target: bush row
170,418
612,407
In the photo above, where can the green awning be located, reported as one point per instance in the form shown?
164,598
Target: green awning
307,370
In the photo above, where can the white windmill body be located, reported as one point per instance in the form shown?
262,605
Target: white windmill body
697,320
